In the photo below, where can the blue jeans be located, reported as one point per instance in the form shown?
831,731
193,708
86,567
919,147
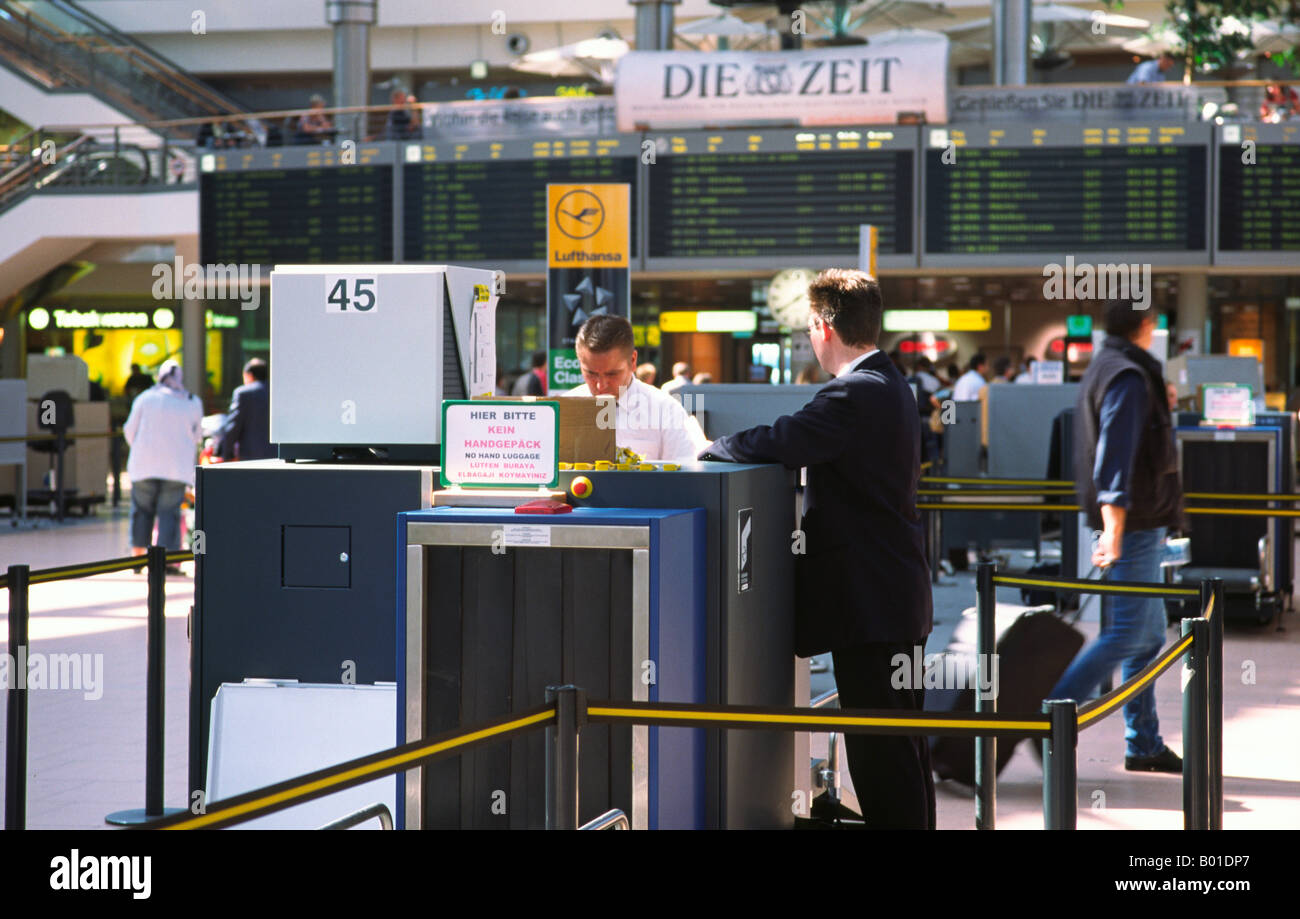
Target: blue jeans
159,498
1133,632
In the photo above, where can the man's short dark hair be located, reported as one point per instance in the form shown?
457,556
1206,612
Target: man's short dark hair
1123,319
1001,366
539,360
257,369
924,363
977,360
605,333
850,302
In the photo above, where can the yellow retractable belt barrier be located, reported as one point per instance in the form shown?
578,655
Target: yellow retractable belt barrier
1242,511
345,775
994,493
736,716
67,572
989,506
1098,587
1229,496
1100,708
951,480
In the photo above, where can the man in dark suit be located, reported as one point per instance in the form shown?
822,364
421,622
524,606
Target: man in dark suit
246,433
862,585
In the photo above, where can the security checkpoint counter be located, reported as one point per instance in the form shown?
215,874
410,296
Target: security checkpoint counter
672,586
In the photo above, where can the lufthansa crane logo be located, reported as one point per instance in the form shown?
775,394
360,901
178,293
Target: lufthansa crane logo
579,214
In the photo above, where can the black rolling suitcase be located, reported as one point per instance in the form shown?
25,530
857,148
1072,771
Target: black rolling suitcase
1032,655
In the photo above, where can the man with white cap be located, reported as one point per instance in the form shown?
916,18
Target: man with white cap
163,431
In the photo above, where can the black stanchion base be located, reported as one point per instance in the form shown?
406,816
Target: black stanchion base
138,816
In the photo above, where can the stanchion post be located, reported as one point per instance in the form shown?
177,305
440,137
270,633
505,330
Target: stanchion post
115,466
1196,798
60,452
155,718
16,715
932,537
1213,589
986,748
562,756
155,682
1061,766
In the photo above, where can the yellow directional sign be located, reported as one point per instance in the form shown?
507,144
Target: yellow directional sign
588,226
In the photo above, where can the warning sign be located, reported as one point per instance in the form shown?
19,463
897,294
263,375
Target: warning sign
499,443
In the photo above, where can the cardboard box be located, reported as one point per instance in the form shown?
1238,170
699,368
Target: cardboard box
581,439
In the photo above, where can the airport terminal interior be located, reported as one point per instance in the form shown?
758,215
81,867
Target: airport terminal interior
467,406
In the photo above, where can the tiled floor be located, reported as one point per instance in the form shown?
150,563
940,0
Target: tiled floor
86,757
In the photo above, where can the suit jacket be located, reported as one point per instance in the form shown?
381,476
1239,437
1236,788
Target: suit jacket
864,576
248,425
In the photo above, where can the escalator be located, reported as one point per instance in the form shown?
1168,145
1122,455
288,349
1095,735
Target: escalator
61,46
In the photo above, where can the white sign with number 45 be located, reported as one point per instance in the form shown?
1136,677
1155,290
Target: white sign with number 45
350,293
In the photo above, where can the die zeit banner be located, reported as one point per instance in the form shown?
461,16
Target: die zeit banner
863,84
588,234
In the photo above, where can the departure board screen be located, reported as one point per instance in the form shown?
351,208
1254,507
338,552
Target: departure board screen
486,201
738,199
1011,195
1259,193
296,206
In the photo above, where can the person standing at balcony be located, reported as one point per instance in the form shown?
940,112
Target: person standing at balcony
1152,71
315,127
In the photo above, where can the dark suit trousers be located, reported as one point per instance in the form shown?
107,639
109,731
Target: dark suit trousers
891,774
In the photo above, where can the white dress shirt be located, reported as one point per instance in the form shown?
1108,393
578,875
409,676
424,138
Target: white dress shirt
968,387
854,366
653,424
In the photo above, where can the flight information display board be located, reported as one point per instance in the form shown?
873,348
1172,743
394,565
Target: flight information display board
1019,195
484,203
1259,194
776,197
296,205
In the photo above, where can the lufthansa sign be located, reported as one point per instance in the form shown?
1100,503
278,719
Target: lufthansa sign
588,225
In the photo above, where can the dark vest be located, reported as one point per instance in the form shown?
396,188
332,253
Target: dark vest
1155,492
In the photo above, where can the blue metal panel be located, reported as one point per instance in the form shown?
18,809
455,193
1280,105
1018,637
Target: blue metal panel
677,634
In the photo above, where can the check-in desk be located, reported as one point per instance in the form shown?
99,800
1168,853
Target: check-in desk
669,586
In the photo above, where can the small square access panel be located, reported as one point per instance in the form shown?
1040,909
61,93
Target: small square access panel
319,557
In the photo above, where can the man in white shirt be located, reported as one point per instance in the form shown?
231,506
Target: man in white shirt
969,384
681,377
1028,375
650,422
163,431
